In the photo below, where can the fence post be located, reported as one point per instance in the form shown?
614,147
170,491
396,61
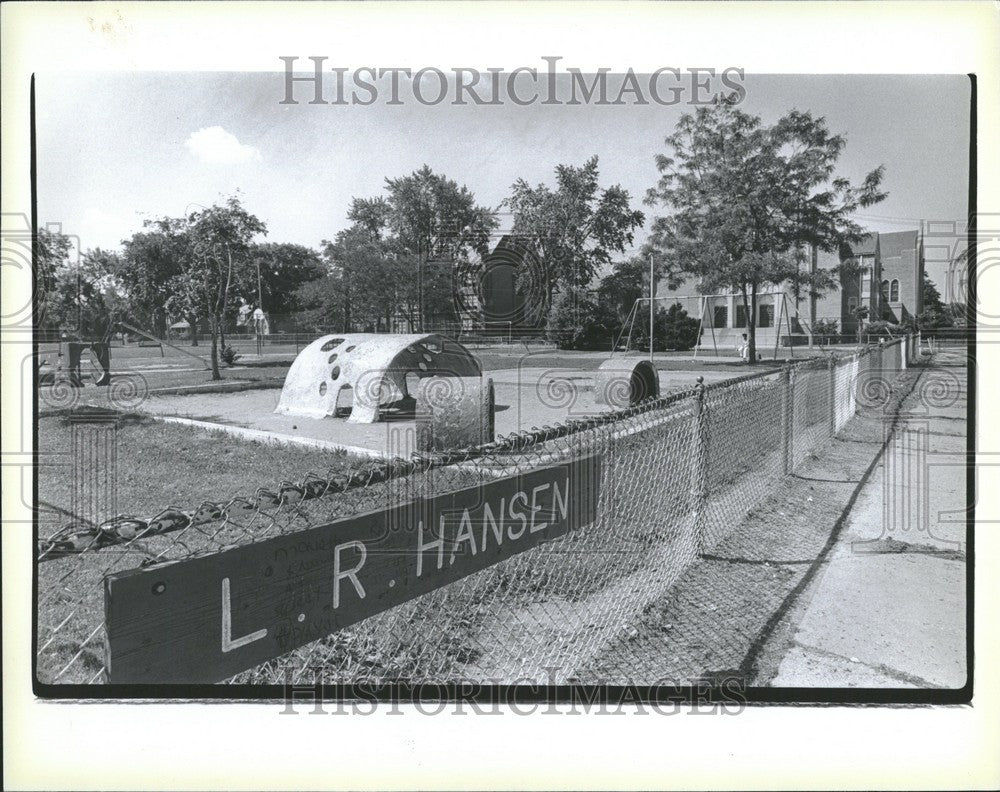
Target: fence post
699,473
787,415
832,365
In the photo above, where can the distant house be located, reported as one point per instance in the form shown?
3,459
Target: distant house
885,277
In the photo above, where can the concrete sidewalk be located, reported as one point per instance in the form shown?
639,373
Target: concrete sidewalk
888,606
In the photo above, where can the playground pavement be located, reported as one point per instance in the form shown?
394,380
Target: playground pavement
526,398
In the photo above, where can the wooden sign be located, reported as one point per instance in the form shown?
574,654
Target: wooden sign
206,618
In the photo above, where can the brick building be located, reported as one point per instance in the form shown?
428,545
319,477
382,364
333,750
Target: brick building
885,277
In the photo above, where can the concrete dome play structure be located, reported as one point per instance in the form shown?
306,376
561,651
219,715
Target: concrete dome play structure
370,374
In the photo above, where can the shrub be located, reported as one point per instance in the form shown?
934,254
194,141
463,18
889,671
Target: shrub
883,329
230,355
933,319
577,321
680,331
826,328
674,330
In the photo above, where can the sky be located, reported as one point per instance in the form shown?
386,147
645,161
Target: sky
115,148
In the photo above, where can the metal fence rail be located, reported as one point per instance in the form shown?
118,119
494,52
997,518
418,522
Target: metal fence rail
678,475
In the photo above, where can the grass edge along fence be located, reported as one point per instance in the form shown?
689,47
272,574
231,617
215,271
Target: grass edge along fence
673,476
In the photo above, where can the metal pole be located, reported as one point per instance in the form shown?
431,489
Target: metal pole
652,289
833,394
777,328
699,470
787,407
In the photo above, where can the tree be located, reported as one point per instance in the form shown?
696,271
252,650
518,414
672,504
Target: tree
578,321
282,269
81,299
427,222
365,282
623,286
935,314
930,297
215,266
575,227
322,302
151,260
746,199
51,261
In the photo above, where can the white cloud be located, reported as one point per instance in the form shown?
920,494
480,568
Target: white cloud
216,146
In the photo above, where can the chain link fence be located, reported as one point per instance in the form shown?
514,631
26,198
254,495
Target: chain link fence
679,474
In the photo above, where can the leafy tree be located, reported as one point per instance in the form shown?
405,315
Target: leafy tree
364,287
426,222
575,227
930,297
745,199
216,266
282,268
935,314
623,286
322,302
151,260
83,298
578,321
370,214
51,261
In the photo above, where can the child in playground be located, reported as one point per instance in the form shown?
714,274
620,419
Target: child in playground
744,348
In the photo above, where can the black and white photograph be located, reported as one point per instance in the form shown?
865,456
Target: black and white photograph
355,384
327,392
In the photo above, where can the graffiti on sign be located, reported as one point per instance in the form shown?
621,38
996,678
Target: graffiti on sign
207,618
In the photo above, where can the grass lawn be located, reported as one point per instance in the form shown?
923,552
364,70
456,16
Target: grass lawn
160,465
157,466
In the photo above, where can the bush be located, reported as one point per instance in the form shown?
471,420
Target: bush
680,331
577,321
674,330
825,328
230,355
883,329
933,319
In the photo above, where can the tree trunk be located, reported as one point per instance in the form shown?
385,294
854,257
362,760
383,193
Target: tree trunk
193,322
215,348
752,326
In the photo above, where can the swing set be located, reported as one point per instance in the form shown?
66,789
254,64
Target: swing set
704,301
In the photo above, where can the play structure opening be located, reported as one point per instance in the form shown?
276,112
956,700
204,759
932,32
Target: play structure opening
367,377
625,382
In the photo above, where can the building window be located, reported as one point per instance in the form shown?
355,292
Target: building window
885,291
766,316
894,291
852,305
741,316
720,316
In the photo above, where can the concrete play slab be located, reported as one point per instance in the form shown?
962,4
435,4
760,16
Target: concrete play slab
526,398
